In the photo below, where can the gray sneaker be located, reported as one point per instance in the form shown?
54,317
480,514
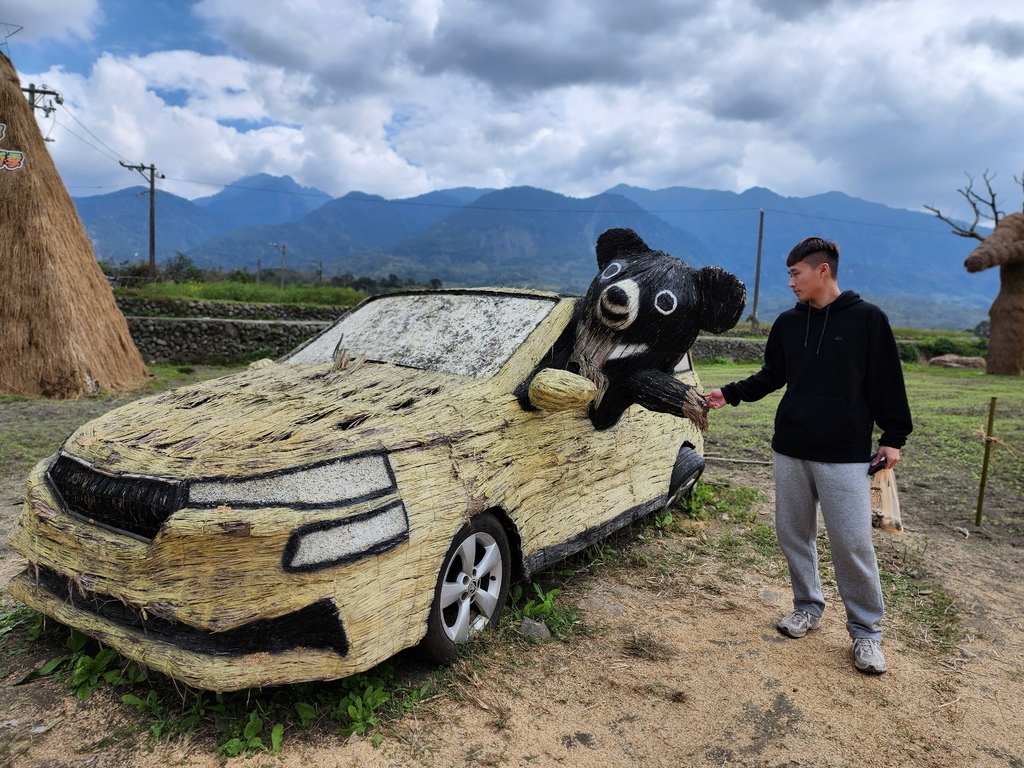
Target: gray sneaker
867,655
798,623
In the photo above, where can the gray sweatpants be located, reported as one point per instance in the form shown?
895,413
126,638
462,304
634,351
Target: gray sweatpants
843,492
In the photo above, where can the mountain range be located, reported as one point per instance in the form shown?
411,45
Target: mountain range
907,262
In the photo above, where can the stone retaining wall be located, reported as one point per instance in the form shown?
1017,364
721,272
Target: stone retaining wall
217,331
234,310
726,347
187,340
206,340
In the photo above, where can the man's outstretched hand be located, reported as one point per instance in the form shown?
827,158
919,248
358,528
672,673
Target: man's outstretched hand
715,399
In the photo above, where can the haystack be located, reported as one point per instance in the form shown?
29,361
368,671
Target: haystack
61,333
1004,248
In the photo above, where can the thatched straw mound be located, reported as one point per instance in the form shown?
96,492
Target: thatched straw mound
61,333
1004,248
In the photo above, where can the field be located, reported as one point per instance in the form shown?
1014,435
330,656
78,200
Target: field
664,651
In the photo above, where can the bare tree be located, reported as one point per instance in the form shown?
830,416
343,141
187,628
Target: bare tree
983,205
1004,248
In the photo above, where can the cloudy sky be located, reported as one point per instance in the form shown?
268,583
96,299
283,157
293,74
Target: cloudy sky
892,101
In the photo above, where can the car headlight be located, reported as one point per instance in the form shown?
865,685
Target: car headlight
348,481
333,542
332,485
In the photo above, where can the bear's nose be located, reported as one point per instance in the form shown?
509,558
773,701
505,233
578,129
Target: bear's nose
619,303
615,296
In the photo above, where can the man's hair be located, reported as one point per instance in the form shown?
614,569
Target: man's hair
814,251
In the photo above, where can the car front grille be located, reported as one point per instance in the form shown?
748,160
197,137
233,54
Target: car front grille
317,626
135,504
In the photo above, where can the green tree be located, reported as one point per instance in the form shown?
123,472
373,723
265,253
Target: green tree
181,269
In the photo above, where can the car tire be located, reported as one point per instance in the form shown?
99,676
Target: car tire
686,472
471,590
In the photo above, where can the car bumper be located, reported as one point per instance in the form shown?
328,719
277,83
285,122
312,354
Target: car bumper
268,652
209,600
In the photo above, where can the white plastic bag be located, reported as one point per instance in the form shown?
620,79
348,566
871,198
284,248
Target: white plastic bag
885,503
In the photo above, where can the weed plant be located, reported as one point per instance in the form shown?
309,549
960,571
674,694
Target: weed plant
542,607
241,722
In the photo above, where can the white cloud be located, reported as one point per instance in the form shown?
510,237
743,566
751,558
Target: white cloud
891,101
51,19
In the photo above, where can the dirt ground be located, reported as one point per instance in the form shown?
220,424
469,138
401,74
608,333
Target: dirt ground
679,671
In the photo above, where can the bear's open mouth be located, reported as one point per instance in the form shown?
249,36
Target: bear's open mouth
628,350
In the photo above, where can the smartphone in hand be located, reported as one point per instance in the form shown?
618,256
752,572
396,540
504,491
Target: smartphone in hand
879,466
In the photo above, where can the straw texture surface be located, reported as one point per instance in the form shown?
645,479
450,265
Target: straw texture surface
1004,248
61,333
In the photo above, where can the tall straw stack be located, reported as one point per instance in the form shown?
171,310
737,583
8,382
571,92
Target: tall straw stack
61,333
1004,248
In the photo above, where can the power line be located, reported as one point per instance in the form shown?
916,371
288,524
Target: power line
508,209
850,221
84,128
84,141
470,206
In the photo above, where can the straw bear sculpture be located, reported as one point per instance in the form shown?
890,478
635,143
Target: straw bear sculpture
638,320
1004,248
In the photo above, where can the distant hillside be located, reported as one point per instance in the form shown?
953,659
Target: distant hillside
907,262
904,260
354,224
261,199
118,224
523,236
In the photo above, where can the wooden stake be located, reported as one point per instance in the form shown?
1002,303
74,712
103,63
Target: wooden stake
988,453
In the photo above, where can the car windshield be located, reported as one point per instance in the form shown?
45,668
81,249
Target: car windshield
466,334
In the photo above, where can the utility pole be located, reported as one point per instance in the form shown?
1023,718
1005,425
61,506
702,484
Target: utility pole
757,271
35,98
281,247
153,176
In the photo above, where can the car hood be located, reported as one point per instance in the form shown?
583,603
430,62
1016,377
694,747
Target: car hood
281,417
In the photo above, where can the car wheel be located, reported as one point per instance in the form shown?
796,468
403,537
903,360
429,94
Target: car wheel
472,587
686,472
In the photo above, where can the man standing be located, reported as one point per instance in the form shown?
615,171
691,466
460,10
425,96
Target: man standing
838,360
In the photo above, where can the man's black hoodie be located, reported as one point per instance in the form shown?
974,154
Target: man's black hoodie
842,373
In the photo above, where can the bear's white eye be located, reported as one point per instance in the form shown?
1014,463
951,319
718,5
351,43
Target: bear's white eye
611,270
666,302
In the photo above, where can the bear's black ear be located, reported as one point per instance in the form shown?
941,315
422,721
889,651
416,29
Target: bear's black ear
616,243
723,298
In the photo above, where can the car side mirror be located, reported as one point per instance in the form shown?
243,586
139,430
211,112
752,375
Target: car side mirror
553,389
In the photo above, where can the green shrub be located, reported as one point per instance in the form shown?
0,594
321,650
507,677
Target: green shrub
944,345
909,352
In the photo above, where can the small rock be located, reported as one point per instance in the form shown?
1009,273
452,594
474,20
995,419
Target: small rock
957,361
535,629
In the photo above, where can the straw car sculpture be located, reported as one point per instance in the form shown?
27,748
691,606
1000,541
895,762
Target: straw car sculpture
61,333
379,487
1004,248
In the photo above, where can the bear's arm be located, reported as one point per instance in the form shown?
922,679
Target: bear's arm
1004,246
662,392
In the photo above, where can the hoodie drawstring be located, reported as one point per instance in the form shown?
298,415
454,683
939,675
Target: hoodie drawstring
827,307
807,333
